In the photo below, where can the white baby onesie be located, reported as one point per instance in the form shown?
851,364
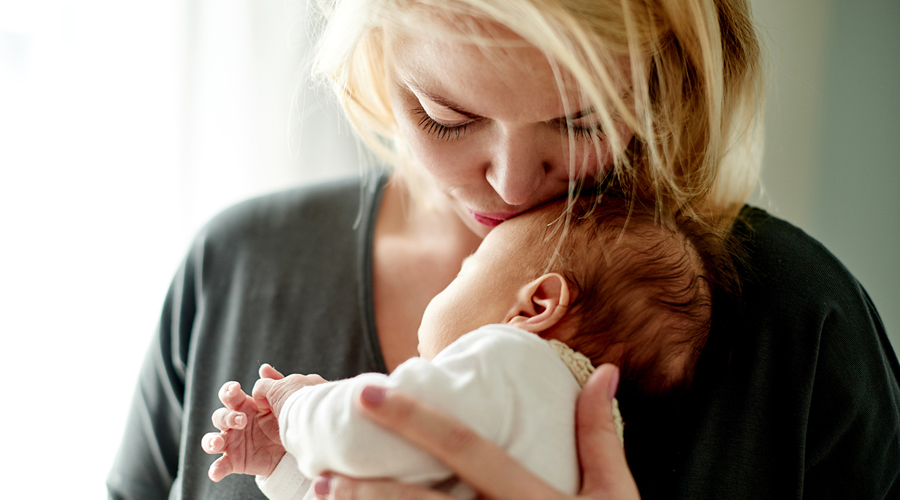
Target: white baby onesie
509,385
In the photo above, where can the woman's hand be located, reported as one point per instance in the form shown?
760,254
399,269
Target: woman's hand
483,465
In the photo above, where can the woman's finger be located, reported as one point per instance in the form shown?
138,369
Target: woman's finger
480,463
605,472
338,487
225,419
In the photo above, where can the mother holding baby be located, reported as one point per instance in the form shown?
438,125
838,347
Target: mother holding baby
482,110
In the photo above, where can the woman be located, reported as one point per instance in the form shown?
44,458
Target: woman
484,109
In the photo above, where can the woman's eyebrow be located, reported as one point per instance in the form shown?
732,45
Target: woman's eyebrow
441,100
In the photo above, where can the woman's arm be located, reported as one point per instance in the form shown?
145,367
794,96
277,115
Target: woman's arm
485,466
147,461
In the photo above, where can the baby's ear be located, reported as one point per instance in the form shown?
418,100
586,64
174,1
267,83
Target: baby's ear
540,304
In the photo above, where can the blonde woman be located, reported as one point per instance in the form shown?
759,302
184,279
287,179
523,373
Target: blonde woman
481,110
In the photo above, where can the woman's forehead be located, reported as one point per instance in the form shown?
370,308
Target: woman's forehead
482,78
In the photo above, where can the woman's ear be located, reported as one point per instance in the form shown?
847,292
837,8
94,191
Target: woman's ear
540,304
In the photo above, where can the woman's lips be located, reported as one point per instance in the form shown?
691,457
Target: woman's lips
491,219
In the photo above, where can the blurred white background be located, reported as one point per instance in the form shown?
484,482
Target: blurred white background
125,125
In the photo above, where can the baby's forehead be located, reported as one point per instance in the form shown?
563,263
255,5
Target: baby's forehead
518,228
520,238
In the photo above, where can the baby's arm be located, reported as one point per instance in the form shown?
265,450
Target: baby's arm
324,430
488,380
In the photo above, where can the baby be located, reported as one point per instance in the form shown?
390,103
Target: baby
506,348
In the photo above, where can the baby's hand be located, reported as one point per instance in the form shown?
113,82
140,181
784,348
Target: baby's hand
272,392
249,437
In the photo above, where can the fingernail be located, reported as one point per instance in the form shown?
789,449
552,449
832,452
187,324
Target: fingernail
230,389
373,395
613,384
239,420
322,485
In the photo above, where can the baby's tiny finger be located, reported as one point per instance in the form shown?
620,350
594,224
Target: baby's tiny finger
213,443
230,394
219,469
225,419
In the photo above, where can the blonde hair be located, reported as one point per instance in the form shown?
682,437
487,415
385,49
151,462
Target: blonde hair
694,106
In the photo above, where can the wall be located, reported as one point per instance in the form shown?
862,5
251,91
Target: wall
833,134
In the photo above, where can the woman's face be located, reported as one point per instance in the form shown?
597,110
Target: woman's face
489,125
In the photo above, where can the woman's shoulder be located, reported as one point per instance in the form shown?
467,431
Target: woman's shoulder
797,381
785,261
795,293
773,242
321,227
334,205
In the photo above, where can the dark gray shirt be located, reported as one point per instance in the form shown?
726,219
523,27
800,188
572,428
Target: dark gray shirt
796,395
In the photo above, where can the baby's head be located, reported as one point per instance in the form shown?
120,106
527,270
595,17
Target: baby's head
617,282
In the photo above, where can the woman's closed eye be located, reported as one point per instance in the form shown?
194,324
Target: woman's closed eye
582,126
443,131
585,132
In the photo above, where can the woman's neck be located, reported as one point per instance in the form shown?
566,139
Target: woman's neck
417,252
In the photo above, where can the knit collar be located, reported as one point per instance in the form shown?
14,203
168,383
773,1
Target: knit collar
581,369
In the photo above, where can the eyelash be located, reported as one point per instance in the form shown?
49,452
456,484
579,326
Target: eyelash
584,133
437,129
444,132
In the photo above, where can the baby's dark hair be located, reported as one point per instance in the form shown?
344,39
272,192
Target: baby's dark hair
642,284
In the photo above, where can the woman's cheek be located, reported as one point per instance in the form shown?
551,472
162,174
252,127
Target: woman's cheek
448,161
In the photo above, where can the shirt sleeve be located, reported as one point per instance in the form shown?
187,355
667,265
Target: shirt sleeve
286,482
853,429
325,431
147,461
322,427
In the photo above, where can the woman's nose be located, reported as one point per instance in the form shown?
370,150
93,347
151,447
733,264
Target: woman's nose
517,169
